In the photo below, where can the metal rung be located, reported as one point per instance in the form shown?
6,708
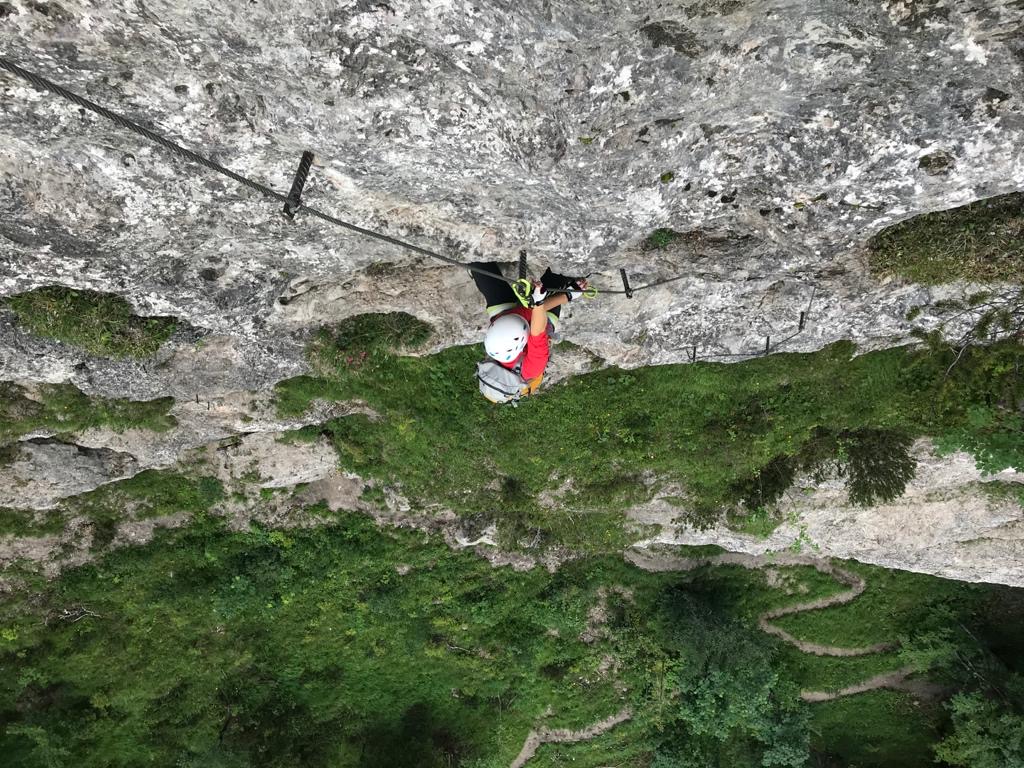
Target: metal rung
625,284
294,201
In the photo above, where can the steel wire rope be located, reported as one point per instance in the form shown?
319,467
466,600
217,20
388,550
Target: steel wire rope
45,84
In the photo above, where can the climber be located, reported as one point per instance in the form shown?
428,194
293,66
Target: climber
519,338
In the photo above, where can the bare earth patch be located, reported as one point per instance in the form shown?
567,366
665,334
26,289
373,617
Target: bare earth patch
565,736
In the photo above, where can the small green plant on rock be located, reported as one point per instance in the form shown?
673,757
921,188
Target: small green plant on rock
99,323
149,494
759,521
979,242
28,522
357,341
993,426
660,238
374,496
64,409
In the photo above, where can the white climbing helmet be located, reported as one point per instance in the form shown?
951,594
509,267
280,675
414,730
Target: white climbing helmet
506,338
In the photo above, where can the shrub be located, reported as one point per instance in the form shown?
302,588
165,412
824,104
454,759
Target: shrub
876,464
63,408
660,238
985,734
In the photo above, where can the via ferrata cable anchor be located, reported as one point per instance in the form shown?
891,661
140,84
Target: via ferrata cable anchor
294,201
625,284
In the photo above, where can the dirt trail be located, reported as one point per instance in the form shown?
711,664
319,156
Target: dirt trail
661,562
896,680
565,736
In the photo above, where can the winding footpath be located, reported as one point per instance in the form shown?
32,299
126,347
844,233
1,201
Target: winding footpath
661,562
564,736
895,680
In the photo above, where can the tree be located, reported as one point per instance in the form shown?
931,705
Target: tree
985,734
734,709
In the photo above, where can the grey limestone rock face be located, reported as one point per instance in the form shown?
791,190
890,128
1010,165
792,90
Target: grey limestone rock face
45,471
945,523
779,136
791,134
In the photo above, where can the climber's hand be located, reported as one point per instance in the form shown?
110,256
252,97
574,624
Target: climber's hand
539,294
575,289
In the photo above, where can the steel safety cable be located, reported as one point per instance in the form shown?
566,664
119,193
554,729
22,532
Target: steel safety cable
45,84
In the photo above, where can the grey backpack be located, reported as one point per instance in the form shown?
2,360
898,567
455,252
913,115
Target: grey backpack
500,384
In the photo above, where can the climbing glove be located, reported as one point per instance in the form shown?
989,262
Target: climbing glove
573,291
539,294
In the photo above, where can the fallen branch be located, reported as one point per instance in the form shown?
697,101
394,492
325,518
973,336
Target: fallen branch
73,615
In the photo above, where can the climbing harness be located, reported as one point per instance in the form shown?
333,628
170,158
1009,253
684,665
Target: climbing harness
293,203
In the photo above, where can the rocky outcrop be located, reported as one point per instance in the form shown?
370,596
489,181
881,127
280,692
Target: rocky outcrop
945,524
44,471
776,137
